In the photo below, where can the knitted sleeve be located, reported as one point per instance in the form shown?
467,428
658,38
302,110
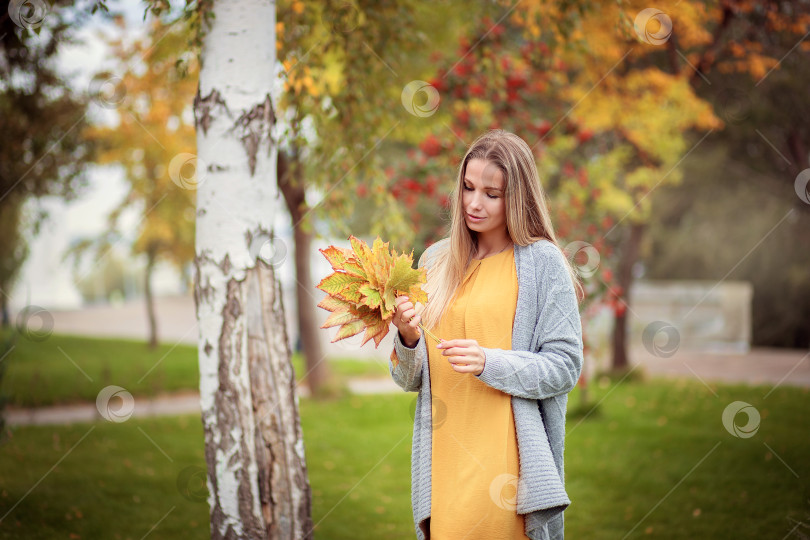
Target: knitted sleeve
554,363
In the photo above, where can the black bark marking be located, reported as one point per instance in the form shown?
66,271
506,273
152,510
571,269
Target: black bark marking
225,265
253,127
202,291
203,107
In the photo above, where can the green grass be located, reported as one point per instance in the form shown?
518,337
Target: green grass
69,369
650,437
117,484
653,458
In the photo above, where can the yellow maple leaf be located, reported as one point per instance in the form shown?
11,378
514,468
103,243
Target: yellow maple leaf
363,288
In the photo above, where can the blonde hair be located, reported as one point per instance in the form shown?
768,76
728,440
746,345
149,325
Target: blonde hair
527,218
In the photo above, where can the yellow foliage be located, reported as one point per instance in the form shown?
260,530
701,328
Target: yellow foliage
691,22
648,107
615,202
149,134
481,108
758,65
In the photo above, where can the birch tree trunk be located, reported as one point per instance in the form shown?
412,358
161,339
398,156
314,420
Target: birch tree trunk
254,450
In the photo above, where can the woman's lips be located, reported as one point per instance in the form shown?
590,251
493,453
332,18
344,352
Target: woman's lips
474,218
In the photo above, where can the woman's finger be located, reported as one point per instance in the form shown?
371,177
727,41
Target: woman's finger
455,358
464,368
449,343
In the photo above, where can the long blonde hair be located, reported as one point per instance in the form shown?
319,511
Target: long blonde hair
527,218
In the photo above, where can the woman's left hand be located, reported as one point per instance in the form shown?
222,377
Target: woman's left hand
464,355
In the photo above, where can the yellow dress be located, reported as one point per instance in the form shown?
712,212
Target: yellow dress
474,453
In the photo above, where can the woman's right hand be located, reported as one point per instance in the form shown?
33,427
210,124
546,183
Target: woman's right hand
407,322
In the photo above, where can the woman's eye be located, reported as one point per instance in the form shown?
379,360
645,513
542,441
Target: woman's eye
491,196
468,188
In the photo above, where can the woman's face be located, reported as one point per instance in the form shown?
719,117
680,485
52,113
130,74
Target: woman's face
483,197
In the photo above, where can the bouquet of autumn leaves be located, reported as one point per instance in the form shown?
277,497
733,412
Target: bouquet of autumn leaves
363,288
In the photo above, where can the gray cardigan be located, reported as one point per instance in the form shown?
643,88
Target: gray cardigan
543,366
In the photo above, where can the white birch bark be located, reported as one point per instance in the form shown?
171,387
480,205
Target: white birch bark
257,477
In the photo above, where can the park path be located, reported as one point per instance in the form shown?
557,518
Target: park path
758,366
770,367
177,403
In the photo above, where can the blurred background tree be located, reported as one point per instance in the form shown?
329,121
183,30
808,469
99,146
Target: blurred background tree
755,74
344,72
152,137
13,250
612,110
42,151
599,157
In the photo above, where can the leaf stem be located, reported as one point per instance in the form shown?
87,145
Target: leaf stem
429,334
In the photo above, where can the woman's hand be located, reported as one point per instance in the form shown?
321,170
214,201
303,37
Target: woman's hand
407,322
464,355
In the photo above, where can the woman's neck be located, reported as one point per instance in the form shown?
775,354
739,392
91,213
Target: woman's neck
489,245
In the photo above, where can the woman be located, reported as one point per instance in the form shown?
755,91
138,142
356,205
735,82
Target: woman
489,427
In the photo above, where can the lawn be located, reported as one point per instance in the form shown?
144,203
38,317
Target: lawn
69,369
654,460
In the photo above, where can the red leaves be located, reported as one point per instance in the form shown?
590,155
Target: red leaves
439,84
463,69
585,135
463,117
515,82
430,185
412,185
568,169
431,146
582,177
